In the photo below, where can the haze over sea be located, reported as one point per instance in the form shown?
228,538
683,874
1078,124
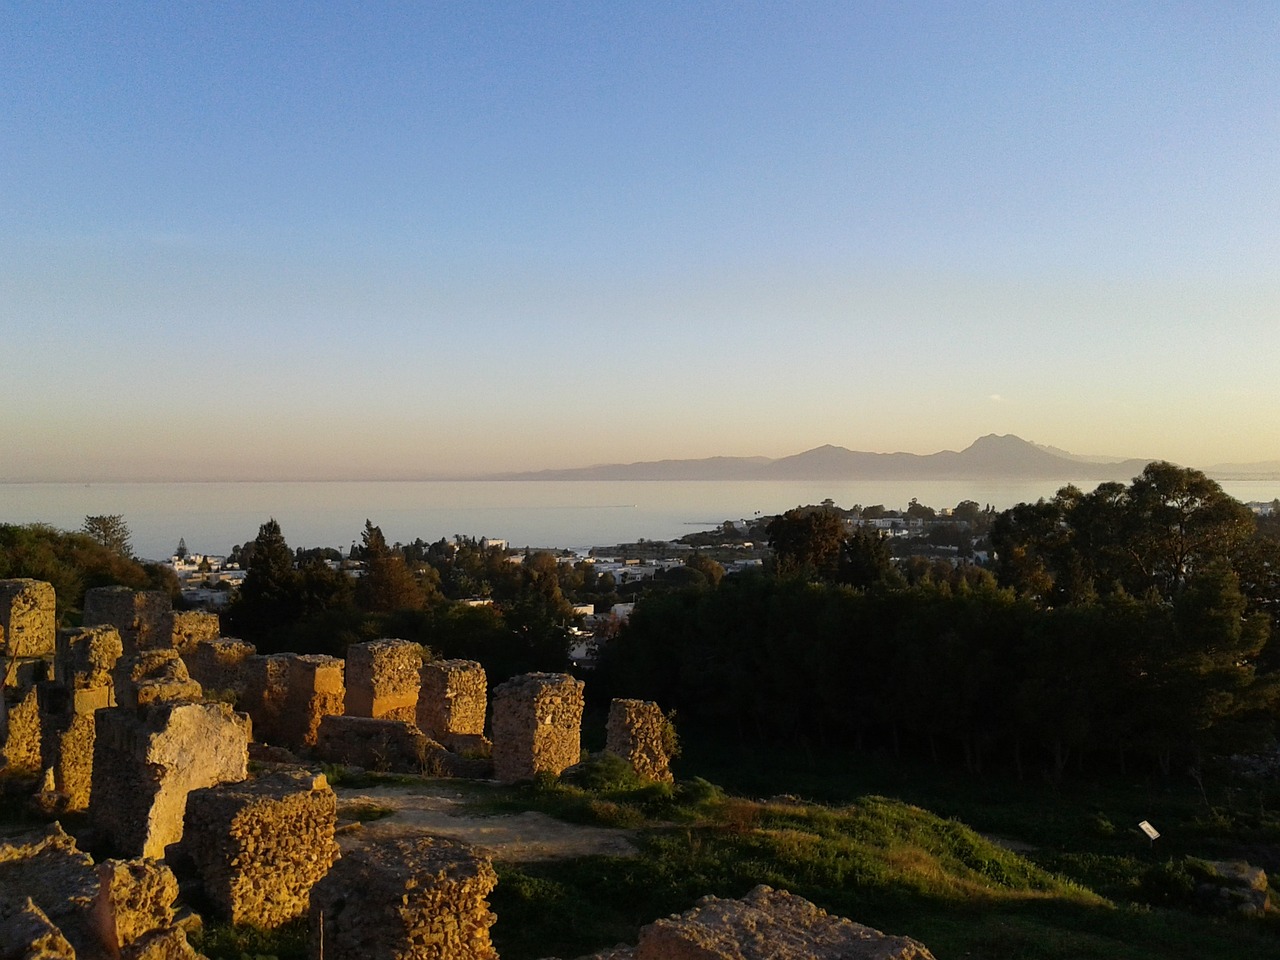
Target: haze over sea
213,516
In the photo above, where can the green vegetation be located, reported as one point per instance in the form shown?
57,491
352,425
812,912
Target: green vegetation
222,941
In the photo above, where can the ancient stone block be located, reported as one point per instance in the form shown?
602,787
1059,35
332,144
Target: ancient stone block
637,732
266,693
183,629
21,748
145,762
383,745
27,933
537,723
421,899
153,676
28,618
315,690
139,615
22,673
48,867
167,944
452,702
768,924
135,898
260,845
383,677
220,666
87,656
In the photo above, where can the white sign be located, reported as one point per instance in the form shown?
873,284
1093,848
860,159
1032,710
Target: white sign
1149,830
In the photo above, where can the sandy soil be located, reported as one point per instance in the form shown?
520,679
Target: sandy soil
442,810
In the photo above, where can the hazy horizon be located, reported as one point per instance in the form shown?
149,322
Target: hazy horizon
333,242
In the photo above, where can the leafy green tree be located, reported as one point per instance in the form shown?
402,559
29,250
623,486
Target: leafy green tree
865,560
111,531
269,600
387,584
807,541
712,570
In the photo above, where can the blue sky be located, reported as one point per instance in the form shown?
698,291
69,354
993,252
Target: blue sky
309,240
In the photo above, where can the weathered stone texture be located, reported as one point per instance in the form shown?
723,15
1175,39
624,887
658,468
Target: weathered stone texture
27,933
637,732
87,656
260,845
135,898
537,724
420,899
183,629
767,924
139,615
266,693
48,867
154,676
221,665
383,677
21,748
146,762
382,745
315,690
452,703
28,618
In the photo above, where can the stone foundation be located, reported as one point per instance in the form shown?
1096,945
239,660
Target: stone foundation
383,677
637,733
452,703
261,845
145,762
28,619
537,722
381,745
418,899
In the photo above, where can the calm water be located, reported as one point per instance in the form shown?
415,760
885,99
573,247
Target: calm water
211,517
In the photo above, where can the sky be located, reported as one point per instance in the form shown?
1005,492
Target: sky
331,240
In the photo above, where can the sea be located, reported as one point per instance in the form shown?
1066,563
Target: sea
211,517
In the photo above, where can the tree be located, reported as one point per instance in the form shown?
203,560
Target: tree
865,560
111,531
269,600
807,541
711,569
388,584
181,552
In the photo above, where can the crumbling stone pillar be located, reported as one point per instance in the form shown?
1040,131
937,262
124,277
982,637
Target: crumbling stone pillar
315,691
420,899
220,666
135,899
383,677
266,694
145,762
139,615
452,703
260,845
183,629
21,746
28,619
537,724
153,676
637,732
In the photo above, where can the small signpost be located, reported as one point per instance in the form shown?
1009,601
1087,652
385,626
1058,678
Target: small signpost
1151,832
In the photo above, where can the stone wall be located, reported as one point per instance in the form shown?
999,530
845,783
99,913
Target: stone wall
452,703
260,845
146,761
381,745
420,899
28,619
537,722
383,677
266,694
220,665
637,732
21,749
157,675
139,615
315,690
183,629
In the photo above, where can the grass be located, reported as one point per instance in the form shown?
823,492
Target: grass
364,812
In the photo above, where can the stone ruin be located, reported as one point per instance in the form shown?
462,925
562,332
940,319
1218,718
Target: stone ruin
140,615
383,677
421,899
766,924
158,675
382,745
27,620
537,725
146,762
315,690
452,704
28,616
638,732
56,904
185,629
260,845
266,693
220,666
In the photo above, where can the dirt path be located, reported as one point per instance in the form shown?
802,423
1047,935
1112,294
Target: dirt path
441,809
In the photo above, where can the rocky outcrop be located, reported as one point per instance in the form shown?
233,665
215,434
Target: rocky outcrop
537,725
420,899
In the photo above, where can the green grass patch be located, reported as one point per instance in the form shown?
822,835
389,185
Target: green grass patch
364,811
227,942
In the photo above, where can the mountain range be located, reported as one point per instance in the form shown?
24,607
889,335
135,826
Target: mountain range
991,457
